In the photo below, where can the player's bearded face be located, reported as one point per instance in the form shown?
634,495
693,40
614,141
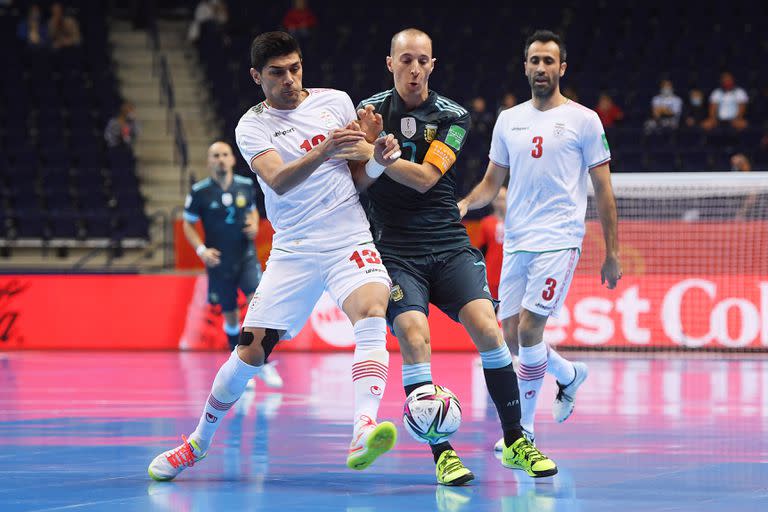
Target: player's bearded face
543,68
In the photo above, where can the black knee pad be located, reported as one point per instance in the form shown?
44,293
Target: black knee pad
271,337
268,342
246,338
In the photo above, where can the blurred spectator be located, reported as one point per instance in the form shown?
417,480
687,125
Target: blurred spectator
695,111
727,105
570,93
666,108
491,240
509,100
122,129
63,30
32,30
740,163
482,120
608,111
208,10
299,20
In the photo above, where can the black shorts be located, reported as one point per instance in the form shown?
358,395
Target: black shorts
449,280
223,285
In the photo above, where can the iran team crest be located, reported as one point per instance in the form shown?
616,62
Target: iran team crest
559,129
408,127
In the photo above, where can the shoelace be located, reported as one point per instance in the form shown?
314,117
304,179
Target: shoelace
451,463
183,455
530,452
561,394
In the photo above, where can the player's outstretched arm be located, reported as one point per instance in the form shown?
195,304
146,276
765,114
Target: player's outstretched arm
420,177
282,177
485,191
610,273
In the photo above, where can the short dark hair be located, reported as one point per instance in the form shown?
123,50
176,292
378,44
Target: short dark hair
272,44
545,36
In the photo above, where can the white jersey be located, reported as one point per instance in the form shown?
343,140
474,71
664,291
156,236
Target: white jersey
323,212
548,155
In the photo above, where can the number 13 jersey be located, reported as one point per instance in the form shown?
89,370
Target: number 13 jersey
323,212
548,154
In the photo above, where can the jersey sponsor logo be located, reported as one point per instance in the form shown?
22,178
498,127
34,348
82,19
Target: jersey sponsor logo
396,294
284,132
240,201
408,127
605,143
520,128
226,199
455,136
430,132
559,129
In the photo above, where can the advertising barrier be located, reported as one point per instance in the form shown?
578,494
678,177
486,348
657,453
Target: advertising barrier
168,312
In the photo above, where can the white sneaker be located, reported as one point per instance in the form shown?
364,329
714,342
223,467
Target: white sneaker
499,446
168,465
565,400
269,375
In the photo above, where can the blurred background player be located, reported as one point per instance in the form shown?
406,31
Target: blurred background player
546,147
322,241
427,252
491,240
224,203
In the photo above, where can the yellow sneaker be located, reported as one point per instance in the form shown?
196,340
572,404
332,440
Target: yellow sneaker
370,441
451,471
524,455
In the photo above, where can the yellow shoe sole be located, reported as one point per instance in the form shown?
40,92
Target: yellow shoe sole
381,440
534,474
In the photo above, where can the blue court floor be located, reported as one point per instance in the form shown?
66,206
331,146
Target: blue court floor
650,433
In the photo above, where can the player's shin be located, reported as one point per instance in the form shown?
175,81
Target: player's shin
229,384
415,376
533,367
370,366
502,386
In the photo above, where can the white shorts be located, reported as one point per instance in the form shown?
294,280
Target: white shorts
536,281
294,281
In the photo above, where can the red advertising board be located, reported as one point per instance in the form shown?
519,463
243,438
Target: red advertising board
169,312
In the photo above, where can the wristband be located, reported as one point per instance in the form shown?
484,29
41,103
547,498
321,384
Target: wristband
200,250
374,169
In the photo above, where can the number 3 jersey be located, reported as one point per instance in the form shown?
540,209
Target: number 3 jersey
549,154
322,212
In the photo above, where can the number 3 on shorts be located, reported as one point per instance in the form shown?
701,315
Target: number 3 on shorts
368,256
549,291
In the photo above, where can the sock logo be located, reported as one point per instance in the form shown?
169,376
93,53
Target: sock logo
513,403
376,390
210,418
530,394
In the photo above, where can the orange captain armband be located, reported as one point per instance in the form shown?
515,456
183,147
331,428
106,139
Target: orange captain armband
440,155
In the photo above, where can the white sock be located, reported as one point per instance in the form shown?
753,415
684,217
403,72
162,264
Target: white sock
370,366
559,367
530,376
227,387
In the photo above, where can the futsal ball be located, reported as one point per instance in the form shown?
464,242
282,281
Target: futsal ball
431,414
